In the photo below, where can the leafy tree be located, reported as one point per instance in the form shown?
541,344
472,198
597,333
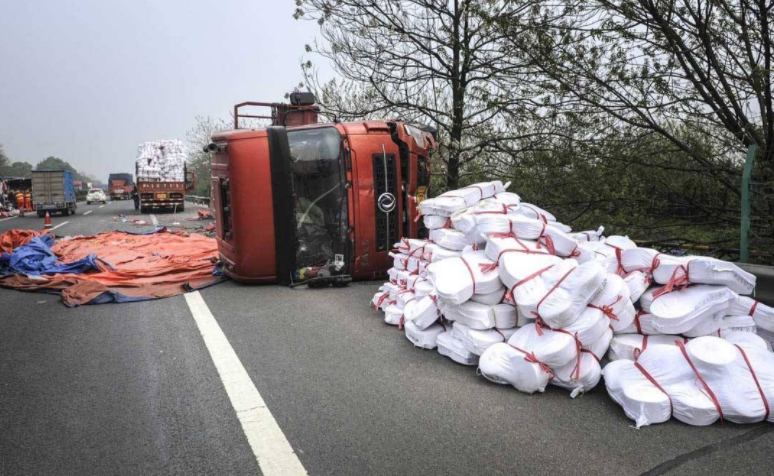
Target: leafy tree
4,161
17,169
429,61
198,137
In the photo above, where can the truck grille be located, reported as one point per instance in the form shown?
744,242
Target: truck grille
385,181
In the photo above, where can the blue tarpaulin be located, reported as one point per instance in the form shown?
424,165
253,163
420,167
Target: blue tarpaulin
36,258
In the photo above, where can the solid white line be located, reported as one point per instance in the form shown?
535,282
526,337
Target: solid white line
274,454
154,219
88,212
61,224
9,218
102,206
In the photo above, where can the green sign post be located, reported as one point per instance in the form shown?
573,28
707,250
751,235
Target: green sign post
744,244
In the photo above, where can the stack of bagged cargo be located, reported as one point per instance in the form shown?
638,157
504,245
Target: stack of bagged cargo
503,285
161,161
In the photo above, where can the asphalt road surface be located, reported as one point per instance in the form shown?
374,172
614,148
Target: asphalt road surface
263,379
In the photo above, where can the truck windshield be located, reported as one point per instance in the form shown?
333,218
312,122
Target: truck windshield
321,198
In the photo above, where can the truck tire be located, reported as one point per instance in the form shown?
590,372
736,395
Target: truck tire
88,203
41,214
66,212
181,208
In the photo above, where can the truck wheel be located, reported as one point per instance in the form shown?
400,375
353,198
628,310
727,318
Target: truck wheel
41,214
65,212
88,203
181,208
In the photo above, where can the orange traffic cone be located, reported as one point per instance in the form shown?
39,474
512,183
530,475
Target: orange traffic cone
47,222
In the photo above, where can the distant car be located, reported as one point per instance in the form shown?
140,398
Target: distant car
96,195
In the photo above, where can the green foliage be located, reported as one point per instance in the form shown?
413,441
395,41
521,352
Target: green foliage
199,161
55,163
17,169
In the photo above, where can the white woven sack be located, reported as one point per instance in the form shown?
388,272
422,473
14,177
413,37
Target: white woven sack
645,327
393,315
600,346
762,314
503,364
640,399
747,339
703,270
476,192
585,236
441,206
553,348
490,299
534,211
590,326
679,311
457,279
578,379
422,312
449,238
637,282
477,341
569,288
614,301
450,347
481,316
434,221
629,346
424,338
509,199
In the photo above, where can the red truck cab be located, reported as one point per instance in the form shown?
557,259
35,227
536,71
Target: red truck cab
316,195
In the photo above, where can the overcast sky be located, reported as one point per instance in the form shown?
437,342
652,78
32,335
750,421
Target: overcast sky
87,80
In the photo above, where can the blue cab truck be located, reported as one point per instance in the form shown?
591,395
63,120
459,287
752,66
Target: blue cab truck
53,191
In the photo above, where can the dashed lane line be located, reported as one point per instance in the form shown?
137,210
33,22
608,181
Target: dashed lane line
272,450
9,218
154,220
88,212
102,206
59,225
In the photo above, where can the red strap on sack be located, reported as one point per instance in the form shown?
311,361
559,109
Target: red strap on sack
655,383
532,358
757,383
637,351
675,282
618,255
509,294
753,308
470,270
546,240
536,312
587,351
575,252
709,393
501,334
381,300
504,211
607,309
637,321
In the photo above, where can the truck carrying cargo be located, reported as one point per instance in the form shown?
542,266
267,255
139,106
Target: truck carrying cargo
299,200
120,186
162,174
53,191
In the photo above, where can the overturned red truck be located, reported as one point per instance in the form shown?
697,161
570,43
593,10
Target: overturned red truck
300,199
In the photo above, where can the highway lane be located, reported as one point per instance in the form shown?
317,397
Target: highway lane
132,389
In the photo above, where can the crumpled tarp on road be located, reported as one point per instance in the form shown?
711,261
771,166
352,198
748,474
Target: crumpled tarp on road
109,267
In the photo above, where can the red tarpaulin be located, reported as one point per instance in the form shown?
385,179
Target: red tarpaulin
143,266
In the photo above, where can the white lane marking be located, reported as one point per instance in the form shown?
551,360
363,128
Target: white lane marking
6,219
102,206
154,220
88,212
61,224
274,454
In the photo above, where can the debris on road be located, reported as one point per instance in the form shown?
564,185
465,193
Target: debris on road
109,267
503,284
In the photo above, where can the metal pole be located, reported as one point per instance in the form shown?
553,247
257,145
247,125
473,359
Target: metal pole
744,247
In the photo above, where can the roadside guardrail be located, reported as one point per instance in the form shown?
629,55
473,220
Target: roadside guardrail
198,200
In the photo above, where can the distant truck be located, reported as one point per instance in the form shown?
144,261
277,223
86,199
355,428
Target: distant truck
53,191
120,186
163,177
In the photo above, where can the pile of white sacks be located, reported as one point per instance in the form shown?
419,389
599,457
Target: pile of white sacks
161,161
502,285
